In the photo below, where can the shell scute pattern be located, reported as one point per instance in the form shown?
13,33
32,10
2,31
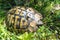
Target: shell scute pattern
24,18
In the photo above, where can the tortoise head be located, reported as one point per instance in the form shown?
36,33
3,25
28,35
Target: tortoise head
38,18
35,15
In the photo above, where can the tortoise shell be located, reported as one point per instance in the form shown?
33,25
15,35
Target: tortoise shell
23,19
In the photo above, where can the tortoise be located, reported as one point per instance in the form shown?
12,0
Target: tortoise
21,18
